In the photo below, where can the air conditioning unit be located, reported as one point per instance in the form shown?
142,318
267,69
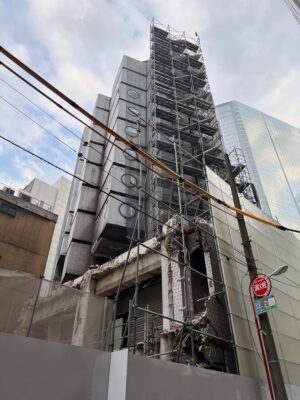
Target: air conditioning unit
8,190
25,197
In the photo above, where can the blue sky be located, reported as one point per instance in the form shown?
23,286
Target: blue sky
252,53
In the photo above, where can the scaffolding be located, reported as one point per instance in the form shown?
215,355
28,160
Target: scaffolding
183,129
242,176
183,134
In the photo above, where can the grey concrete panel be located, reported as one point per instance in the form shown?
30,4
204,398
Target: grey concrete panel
149,379
77,258
64,243
134,65
120,127
92,174
124,113
31,369
87,199
116,155
69,222
113,182
114,226
102,101
123,93
134,79
100,134
82,227
76,184
110,214
93,152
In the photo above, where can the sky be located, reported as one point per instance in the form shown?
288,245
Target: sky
251,50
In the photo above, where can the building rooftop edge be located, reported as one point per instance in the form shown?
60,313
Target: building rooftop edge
9,198
259,111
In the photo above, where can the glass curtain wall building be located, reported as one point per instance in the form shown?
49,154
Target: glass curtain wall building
271,148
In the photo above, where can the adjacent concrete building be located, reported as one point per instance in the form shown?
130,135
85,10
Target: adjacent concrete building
26,232
271,149
55,199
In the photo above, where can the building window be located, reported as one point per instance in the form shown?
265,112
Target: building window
131,131
126,211
6,209
130,155
129,180
133,93
133,111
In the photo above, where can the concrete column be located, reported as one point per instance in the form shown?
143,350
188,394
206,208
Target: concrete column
84,333
172,294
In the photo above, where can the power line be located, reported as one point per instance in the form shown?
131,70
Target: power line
103,191
40,108
38,124
84,181
146,192
285,283
294,6
149,194
109,194
123,140
130,145
161,202
113,143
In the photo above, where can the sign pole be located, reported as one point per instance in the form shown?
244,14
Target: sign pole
273,364
262,347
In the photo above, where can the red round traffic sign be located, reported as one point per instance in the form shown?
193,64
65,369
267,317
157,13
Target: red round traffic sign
261,285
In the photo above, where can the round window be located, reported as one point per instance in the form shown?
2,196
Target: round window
131,131
129,180
133,111
133,93
126,211
130,155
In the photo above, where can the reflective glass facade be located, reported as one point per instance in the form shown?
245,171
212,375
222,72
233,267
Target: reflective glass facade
272,152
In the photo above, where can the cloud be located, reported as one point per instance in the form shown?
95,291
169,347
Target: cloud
78,46
13,183
282,101
28,169
87,41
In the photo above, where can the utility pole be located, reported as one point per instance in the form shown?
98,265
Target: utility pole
265,326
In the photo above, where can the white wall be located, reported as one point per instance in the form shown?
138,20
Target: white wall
271,248
56,196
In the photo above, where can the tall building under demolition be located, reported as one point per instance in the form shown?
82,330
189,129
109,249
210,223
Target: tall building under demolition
168,259
165,106
152,268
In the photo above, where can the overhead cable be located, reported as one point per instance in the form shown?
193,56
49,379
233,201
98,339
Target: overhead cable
113,143
141,152
109,172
